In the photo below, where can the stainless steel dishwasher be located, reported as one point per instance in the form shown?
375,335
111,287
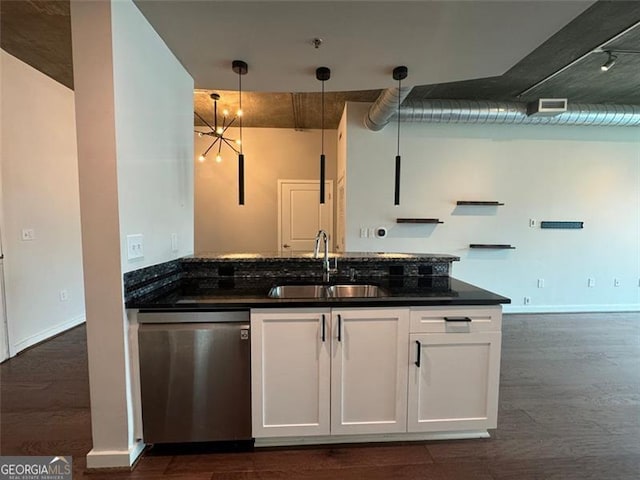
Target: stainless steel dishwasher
195,376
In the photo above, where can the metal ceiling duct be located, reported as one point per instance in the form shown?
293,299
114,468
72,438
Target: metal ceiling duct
491,112
470,111
385,107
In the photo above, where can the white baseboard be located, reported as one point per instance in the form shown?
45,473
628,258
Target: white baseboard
45,334
114,458
381,437
631,307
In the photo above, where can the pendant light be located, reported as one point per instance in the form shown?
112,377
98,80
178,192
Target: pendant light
323,74
399,74
241,68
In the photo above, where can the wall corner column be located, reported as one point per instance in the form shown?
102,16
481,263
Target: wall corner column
111,418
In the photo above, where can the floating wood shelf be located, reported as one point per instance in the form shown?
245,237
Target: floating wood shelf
481,203
564,225
494,246
418,220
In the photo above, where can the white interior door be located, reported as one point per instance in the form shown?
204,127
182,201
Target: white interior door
300,214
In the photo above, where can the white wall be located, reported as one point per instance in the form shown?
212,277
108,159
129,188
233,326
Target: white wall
134,153
154,132
221,225
589,174
39,192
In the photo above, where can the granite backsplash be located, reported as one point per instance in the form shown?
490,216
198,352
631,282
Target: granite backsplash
158,279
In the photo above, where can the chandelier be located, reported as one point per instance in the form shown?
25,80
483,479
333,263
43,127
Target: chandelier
218,131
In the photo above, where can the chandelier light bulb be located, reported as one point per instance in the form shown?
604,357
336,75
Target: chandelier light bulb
225,112
218,158
200,134
238,142
219,131
239,113
202,158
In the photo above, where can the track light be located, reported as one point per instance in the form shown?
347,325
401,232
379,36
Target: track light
611,61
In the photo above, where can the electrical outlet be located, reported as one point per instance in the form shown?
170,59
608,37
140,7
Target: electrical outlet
527,300
616,282
541,283
174,242
591,282
372,232
28,234
533,223
135,246
64,295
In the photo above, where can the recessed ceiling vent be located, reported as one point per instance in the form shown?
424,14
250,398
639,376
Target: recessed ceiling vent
547,107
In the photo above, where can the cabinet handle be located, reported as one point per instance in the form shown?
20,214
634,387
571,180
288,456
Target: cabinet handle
339,327
457,319
418,353
323,328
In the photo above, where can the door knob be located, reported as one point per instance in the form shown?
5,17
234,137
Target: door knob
286,246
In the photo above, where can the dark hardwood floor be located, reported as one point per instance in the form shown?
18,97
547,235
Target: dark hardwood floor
569,409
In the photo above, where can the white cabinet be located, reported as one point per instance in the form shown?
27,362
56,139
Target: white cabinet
290,369
402,372
369,371
316,372
454,376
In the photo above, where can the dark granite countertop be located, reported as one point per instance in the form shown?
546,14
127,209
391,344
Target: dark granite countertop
240,293
308,257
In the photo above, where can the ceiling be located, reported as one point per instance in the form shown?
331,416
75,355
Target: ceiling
458,50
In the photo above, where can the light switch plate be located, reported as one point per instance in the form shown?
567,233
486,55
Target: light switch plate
135,246
174,242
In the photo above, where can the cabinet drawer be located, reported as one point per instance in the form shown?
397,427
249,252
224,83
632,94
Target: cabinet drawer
456,320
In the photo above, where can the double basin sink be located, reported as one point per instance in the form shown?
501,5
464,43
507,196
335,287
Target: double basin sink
327,291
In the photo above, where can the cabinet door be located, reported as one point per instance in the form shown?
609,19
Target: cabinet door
453,381
290,372
369,371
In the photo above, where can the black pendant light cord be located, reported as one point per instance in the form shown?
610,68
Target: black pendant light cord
241,155
398,117
322,157
322,121
240,108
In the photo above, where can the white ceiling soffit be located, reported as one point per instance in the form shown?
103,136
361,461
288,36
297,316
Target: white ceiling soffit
439,41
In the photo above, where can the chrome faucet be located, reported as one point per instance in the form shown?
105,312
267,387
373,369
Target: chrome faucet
326,268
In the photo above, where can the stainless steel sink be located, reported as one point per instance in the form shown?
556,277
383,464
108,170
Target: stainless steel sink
323,291
355,291
297,291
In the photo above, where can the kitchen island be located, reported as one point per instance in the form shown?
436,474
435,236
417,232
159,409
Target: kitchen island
244,280
419,360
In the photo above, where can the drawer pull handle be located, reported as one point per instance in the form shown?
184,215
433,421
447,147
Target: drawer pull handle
418,353
457,319
339,327
324,329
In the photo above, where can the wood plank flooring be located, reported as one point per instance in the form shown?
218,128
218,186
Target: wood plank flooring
569,409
